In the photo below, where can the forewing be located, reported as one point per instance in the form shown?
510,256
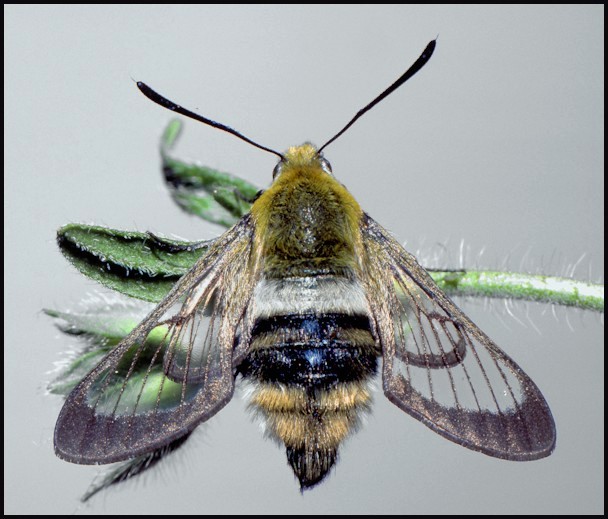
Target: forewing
173,371
442,369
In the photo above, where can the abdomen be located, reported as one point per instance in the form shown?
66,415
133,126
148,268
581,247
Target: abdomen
310,360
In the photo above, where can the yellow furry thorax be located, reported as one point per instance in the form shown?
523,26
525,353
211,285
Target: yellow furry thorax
306,222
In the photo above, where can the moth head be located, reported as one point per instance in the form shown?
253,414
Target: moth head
303,157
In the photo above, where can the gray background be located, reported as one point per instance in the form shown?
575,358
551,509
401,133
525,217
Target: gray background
497,142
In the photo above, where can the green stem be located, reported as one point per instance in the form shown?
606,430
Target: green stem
514,285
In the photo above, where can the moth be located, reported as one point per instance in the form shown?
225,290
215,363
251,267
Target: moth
306,298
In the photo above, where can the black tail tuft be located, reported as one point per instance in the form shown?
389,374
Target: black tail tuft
311,465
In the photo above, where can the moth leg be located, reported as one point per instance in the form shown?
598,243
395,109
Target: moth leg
129,469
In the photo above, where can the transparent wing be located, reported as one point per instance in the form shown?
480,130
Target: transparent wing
443,370
171,372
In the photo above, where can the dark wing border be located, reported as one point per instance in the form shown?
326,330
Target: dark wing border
86,435
524,431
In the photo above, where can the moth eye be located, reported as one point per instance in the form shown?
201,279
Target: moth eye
325,165
277,170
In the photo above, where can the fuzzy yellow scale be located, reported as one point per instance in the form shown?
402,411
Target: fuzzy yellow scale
347,396
306,222
311,425
319,423
293,417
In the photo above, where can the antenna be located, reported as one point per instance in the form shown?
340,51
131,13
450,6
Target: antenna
170,105
418,64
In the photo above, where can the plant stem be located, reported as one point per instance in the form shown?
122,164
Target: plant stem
515,285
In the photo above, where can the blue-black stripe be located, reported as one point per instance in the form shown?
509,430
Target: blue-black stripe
310,351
